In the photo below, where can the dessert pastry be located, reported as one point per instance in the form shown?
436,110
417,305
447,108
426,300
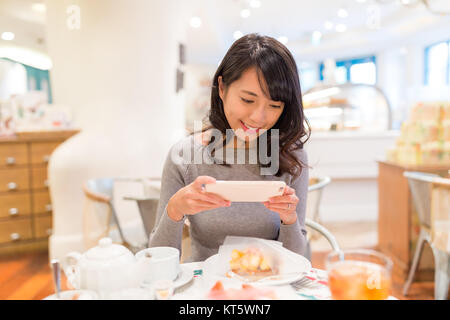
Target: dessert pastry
250,262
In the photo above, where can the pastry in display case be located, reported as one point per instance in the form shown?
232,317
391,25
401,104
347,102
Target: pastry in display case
425,136
348,106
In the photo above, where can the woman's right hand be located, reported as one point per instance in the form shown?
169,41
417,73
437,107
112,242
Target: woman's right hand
193,199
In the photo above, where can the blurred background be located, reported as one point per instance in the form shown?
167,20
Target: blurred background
94,89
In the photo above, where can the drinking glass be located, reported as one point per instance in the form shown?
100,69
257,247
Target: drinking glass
359,275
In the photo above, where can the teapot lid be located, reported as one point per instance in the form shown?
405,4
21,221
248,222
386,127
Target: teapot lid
107,250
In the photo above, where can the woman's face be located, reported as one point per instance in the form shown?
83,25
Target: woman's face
248,110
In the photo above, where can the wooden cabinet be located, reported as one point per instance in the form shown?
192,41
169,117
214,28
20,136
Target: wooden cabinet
16,204
42,227
15,231
398,225
25,204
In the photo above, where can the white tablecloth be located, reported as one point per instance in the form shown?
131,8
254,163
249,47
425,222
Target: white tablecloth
315,288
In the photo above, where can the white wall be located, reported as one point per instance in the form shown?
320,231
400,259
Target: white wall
118,74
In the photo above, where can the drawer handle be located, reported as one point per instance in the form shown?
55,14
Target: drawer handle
15,236
13,211
48,207
46,183
12,186
46,158
49,232
10,160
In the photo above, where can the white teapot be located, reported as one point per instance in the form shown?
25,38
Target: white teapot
105,268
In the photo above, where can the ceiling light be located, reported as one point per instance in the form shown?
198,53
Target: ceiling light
342,13
39,7
237,34
255,3
195,22
328,25
341,27
8,36
283,39
245,13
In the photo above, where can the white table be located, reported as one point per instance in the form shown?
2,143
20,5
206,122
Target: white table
314,289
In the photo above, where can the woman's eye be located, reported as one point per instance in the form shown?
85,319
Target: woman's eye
275,106
247,101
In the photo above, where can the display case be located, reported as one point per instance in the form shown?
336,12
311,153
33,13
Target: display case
347,106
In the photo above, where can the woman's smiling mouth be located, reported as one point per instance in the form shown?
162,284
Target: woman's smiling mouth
248,129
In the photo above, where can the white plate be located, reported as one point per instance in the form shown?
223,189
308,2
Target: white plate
186,274
302,265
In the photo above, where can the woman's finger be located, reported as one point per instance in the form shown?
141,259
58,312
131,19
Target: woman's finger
284,199
201,180
288,190
205,205
285,208
281,206
210,197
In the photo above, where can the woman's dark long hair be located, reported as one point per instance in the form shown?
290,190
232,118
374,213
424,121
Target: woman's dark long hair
275,64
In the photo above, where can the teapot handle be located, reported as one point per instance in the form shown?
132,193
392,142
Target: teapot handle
70,262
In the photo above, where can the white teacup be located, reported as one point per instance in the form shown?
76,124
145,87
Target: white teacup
158,263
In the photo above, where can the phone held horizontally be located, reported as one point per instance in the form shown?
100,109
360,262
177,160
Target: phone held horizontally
246,191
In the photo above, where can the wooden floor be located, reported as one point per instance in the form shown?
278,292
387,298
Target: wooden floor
28,277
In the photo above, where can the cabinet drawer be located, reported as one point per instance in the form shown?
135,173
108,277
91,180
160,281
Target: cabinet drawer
43,227
41,202
15,230
15,205
41,151
12,154
14,179
39,178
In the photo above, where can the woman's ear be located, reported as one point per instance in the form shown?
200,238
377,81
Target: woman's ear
221,88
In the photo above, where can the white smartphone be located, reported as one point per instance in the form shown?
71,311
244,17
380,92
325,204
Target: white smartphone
246,191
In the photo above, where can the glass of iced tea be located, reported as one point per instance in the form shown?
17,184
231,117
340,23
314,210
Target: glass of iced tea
359,275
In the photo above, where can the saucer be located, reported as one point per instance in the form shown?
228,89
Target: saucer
185,275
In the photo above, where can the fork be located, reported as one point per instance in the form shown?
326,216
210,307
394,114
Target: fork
305,283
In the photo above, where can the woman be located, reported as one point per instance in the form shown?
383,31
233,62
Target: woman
255,94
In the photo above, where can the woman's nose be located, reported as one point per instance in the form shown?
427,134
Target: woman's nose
258,116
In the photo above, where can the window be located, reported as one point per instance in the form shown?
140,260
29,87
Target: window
362,70
437,64
308,77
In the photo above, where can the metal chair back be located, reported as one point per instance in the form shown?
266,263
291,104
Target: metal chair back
420,187
315,191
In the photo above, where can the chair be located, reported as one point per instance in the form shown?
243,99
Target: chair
100,217
440,234
315,191
148,207
424,188
324,232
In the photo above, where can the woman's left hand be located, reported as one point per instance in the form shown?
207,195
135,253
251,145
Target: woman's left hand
284,205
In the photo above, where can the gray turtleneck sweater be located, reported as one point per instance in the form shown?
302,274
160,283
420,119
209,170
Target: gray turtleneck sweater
208,229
